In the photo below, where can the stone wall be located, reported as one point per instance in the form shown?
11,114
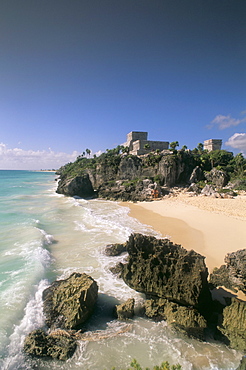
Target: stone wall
136,140
133,136
212,144
138,147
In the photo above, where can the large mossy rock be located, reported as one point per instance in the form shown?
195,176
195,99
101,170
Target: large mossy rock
236,263
233,324
159,268
220,277
69,303
233,274
39,344
184,319
80,186
125,310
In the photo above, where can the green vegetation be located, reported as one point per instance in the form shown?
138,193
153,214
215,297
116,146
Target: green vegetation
164,366
129,184
200,147
201,184
78,167
152,159
227,191
111,159
88,152
157,179
173,145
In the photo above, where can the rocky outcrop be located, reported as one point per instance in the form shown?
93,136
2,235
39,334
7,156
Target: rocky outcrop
233,324
170,170
196,175
233,274
184,319
125,310
219,178
124,177
117,269
159,268
138,190
115,249
194,188
220,277
130,168
68,303
174,281
208,190
40,344
78,186
236,263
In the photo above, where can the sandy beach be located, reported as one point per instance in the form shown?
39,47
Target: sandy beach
210,226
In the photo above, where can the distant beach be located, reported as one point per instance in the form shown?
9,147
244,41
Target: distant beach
212,227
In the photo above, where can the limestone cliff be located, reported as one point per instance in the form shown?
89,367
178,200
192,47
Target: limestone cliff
122,177
115,175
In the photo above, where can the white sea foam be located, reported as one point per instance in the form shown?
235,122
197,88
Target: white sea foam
33,319
47,238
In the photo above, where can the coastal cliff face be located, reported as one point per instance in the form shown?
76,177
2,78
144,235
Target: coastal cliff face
123,177
79,185
118,176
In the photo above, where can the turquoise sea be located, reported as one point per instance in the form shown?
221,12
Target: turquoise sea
45,236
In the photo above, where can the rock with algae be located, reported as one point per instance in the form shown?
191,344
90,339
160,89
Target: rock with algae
68,303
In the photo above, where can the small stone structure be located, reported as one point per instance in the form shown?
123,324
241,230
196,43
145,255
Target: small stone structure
212,144
137,140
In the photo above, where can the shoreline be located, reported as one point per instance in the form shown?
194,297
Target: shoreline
212,227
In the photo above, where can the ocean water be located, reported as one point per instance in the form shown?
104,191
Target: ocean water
46,236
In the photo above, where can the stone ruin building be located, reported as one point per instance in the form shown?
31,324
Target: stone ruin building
212,144
137,140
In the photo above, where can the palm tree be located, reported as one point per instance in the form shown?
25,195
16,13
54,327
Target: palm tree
88,152
200,147
174,144
125,149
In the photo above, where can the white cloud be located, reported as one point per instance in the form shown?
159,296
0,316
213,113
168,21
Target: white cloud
223,122
237,141
18,158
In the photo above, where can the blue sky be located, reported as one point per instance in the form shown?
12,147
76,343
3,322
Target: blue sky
77,74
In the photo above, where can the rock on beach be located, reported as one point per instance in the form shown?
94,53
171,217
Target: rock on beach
68,303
